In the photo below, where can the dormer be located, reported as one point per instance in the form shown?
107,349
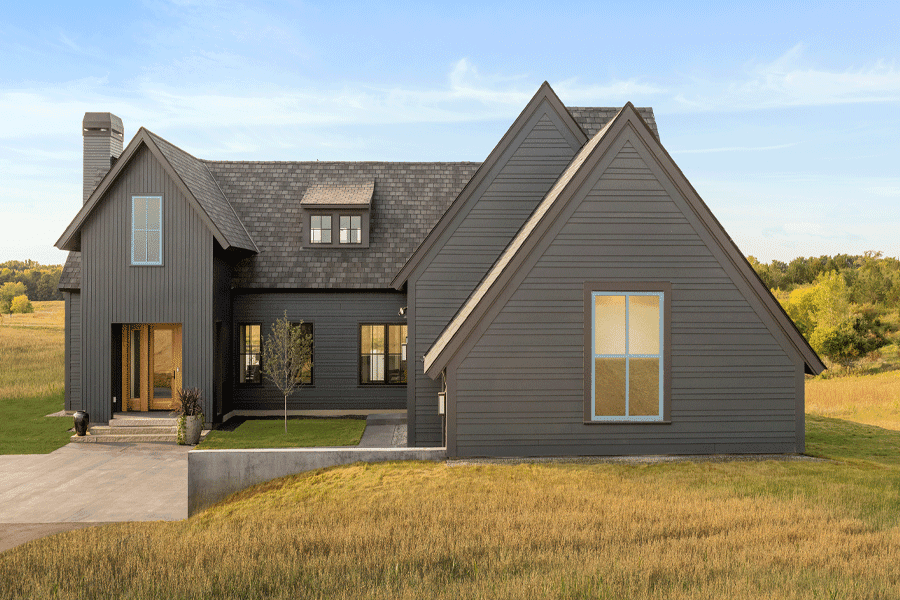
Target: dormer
335,214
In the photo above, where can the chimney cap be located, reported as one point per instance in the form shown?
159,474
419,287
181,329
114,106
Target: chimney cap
102,120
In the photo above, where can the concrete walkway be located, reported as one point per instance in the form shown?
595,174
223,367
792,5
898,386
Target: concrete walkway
81,485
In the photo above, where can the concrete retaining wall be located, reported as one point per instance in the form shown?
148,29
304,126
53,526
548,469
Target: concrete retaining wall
213,475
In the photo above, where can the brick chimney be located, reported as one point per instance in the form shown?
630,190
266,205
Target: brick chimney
103,135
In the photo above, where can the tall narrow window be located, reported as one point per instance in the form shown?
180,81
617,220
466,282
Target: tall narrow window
249,354
627,349
146,230
306,371
351,229
320,229
382,358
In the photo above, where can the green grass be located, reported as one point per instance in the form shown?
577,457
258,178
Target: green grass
24,428
31,381
301,433
731,530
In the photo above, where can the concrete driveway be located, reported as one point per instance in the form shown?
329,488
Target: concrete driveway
82,484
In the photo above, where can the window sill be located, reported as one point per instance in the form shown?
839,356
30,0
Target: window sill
627,422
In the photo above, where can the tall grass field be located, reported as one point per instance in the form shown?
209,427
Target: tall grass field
32,372
804,529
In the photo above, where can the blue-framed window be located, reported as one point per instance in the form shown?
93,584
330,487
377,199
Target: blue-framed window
627,344
146,230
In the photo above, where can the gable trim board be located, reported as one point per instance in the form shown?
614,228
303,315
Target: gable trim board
70,239
488,170
515,262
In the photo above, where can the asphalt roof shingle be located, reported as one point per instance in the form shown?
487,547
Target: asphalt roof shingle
200,182
408,199
594,118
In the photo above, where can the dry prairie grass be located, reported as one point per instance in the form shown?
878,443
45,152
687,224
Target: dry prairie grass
32,352
869,399
677,531
49,313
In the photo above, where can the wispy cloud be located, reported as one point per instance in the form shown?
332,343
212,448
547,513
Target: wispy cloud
786,81
736,149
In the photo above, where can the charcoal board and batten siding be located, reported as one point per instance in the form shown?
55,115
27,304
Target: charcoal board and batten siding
336,317
73,349
518,387
114,291
475,238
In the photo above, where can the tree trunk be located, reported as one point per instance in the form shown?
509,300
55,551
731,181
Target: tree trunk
285,414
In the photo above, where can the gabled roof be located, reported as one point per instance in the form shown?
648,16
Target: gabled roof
508,264
193,179
544,94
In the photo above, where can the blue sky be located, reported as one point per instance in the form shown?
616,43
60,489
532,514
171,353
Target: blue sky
783,116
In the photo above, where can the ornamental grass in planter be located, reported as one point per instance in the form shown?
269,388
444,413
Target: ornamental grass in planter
190,416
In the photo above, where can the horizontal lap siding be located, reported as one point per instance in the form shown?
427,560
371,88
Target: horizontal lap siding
113,291
519,390
336,318
481,235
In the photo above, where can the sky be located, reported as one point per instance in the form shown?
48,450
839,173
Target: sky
784,116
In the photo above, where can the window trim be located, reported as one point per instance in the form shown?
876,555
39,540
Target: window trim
625,287
240,356
359,353
148,263
335,213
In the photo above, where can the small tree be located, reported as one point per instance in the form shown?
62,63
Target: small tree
286,352
8,291
21,304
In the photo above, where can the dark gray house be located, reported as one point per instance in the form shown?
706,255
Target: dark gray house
572,294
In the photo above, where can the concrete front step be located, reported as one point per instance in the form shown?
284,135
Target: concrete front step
120,430
143,422
130,437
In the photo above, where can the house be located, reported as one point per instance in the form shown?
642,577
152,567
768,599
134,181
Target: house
572,294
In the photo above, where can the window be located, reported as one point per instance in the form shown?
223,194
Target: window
351,229
306,371
382,356
146,230
320,229
249,354
627,354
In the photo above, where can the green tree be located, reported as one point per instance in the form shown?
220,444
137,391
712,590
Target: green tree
8,291
287,352
21,305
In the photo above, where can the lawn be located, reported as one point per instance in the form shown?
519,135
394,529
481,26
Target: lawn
301,433
734,530
31,381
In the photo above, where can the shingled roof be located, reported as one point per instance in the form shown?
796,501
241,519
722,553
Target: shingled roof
199,181
594,118
407,201
256,206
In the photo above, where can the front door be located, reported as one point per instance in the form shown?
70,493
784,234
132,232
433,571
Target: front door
151,369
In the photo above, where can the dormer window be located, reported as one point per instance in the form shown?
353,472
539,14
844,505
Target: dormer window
335,214
146,230
351,229
320,229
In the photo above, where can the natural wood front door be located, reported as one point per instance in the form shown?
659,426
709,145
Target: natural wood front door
151,366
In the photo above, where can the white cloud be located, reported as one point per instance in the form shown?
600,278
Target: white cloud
786,81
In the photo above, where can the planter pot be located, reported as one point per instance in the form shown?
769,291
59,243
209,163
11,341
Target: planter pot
82,420
189,429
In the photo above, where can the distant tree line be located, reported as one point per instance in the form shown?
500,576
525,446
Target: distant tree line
845,305
41,281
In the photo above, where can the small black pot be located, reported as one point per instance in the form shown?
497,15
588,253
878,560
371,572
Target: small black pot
82,419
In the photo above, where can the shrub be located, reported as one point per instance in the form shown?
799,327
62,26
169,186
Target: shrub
21,304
